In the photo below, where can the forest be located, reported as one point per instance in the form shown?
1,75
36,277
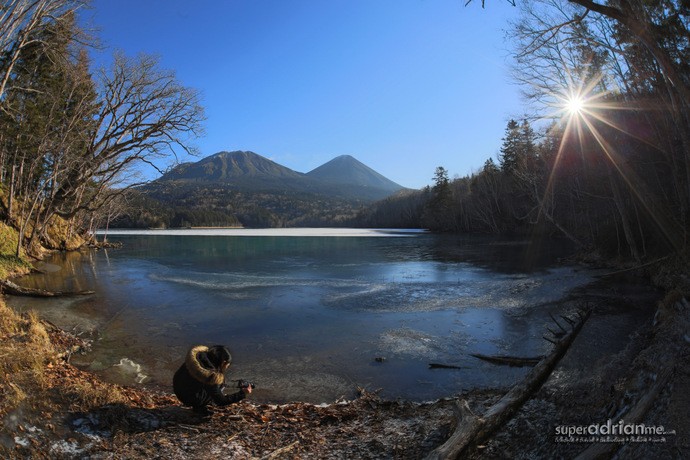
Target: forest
70,135
601,156
605,159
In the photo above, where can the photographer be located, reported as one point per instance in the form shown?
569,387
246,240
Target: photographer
201,378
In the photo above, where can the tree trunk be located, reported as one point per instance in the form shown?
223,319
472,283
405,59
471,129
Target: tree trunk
14,289
472,429
625,222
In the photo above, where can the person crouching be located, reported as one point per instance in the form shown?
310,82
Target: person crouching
200,379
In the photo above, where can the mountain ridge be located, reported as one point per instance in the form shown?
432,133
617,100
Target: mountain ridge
226,165
246,189
343,176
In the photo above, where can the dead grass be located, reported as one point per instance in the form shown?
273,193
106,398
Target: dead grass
85,395
25,349
9,320
10,264
61,235
8,239
29,363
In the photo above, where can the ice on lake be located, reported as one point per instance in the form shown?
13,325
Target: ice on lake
306,311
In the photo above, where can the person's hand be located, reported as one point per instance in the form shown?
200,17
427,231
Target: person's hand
247,390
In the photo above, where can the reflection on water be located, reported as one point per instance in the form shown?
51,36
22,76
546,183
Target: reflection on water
306,317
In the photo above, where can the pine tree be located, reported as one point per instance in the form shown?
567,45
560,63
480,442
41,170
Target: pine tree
510,150
438,214
490,167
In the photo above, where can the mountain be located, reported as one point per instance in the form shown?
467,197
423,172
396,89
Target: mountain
242,169
342,177
246,188
347,170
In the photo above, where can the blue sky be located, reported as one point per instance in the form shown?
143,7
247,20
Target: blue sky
402,85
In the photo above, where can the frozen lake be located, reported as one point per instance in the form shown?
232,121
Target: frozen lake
307,312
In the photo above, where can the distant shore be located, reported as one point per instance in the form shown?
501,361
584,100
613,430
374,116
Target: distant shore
292,232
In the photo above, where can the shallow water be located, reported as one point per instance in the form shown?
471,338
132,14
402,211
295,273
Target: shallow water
307,316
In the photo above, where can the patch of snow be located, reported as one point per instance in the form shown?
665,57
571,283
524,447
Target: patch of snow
88,427
70,448
24,442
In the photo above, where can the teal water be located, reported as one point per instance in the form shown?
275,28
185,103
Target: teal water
306,317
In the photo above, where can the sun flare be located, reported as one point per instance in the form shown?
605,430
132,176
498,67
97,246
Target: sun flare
575,105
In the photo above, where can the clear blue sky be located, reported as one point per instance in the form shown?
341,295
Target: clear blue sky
402,85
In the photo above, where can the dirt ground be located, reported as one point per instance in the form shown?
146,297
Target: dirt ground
602,377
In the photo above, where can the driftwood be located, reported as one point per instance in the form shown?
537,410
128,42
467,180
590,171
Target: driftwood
472,429
14,289
513,361
443,366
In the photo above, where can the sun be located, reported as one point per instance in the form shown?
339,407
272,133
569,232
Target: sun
575,104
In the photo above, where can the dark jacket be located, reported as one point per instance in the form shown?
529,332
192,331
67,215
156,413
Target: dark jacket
199,381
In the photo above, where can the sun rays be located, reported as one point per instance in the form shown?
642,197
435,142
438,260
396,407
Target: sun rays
586,110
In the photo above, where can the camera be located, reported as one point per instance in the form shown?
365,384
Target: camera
246,384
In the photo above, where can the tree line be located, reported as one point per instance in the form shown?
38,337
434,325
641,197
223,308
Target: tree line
70,139
610,170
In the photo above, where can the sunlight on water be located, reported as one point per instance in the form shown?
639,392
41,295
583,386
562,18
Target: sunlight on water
311,318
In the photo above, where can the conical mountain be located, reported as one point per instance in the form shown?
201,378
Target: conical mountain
347,170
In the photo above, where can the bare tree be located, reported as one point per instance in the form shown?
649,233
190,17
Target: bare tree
144,114
73,143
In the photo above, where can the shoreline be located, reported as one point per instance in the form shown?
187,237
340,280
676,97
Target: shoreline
315,379
141,422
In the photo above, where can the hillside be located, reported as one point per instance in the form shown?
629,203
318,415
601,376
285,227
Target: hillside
247,189
241,169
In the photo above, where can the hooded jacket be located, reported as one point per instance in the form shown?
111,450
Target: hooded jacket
200,380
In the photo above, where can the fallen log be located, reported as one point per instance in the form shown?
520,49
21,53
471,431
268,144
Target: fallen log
443,366
14,289
471,429
513,361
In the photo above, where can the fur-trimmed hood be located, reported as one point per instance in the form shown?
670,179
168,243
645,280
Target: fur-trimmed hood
198,366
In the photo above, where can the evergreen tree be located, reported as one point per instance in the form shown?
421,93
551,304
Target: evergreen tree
438,214
510,150
490,167
527,141
519,147
49,113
